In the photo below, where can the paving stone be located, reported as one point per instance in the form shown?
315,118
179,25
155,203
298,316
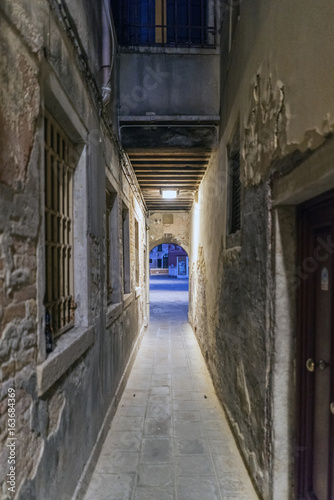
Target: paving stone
132,411
185,405
156,450
155,476
182,395
194,465
188,429
191,416
158,427
160,399
122,440
153,494
190,488
128,423
111,487
117,462
157,410
195,446
169,439
161,380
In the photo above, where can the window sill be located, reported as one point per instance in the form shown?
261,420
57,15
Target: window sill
114,310
138,291
128,299
70,347
233,240
231,255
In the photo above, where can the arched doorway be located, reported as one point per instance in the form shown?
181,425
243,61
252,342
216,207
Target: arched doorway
169,259
169,289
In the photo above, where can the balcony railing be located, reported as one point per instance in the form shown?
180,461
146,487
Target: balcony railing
171,23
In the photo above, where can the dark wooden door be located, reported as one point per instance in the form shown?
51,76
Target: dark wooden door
315,350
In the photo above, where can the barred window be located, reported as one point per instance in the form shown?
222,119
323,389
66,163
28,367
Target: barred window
112,246
109,204
165,22
234,211
126,249
59,171
137,251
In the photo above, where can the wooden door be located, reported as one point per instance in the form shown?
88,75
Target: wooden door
315,350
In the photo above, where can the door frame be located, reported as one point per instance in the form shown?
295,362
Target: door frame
308,215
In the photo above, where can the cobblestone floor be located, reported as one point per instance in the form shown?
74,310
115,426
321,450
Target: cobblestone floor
169,439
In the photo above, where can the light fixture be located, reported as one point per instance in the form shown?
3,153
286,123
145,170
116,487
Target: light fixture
169,194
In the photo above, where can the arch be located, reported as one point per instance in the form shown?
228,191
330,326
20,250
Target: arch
166,240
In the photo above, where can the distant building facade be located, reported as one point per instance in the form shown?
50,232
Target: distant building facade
171,257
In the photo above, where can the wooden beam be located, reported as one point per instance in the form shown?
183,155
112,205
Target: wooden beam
171,177
169,168
169,152
168,161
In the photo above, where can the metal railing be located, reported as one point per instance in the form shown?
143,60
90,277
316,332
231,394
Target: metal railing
172,23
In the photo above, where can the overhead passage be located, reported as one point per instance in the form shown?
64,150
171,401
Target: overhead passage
174,169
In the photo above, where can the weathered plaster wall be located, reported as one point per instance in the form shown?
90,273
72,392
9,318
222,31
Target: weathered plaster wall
63,400
165,232
155,83
277,90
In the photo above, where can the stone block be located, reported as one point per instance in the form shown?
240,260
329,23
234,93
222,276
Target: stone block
28,341
19,277
14,312
9,332
25,293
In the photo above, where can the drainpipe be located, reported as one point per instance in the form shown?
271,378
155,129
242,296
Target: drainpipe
108,44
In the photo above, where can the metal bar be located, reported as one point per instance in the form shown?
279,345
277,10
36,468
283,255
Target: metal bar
164,21
175,22
58,225
189,22
194,30
126,27
202,22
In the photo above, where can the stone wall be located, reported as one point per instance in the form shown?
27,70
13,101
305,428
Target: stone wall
283,110
65,400
169,227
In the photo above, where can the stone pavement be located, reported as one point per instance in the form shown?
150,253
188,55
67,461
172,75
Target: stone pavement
169,439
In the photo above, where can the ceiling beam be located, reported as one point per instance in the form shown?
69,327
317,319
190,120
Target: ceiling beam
169,152
145,186
168,161
160,175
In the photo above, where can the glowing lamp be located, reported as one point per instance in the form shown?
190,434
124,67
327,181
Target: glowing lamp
169,194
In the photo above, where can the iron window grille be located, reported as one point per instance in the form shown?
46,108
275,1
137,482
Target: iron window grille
109,204
59,171
173,23
126,249
235,192
137,251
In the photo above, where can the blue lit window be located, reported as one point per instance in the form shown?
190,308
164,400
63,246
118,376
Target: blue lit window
163,22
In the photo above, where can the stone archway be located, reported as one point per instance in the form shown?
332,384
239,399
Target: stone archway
168,240
169,227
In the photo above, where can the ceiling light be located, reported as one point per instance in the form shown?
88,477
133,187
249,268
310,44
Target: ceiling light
169,193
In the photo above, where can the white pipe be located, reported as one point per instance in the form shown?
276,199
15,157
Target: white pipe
108,48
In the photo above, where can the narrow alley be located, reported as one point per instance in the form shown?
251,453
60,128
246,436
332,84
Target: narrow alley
166,250
169,439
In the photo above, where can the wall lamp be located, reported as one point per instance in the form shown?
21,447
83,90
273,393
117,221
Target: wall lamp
169,194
